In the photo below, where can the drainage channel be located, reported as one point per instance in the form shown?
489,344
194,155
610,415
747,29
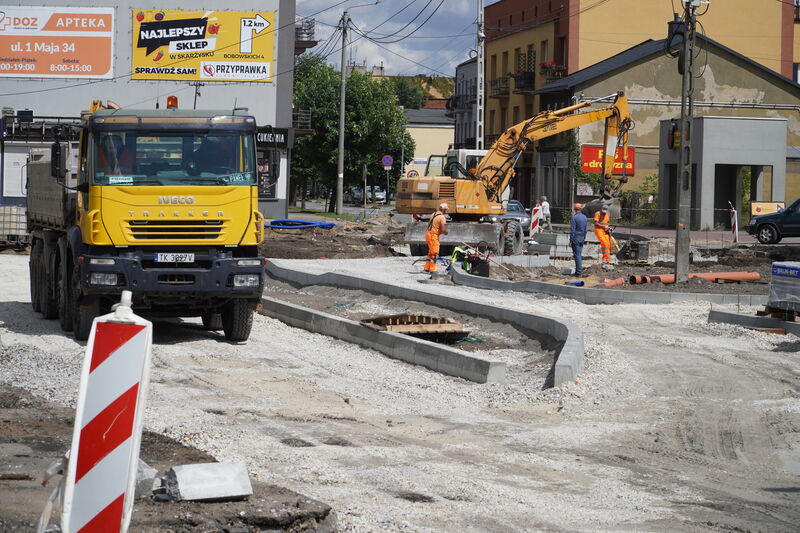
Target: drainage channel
527,359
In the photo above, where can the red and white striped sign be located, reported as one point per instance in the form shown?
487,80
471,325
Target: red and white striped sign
536,219
734,225
101,474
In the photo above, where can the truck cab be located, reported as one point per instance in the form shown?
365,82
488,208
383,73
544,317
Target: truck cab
166,206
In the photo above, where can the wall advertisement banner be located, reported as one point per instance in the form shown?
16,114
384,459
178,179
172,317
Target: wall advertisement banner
203,45
592,160
56,42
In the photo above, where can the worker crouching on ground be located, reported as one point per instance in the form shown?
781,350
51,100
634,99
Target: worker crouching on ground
602,232
437,226
577,236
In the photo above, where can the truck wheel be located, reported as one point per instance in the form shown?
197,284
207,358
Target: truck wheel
64,308
47,300
33,274
82,318
513,238
767,234
212,321
237,320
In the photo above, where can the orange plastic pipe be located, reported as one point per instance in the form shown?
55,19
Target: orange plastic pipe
614,282
710,276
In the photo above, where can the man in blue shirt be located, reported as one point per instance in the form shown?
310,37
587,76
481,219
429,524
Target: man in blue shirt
577,236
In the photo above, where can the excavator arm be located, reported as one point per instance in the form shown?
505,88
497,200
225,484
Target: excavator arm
496,169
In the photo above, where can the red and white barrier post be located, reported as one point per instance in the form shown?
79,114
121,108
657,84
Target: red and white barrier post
536,220
101,473
734,224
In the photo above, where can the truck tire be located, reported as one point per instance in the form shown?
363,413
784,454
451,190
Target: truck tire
513,238
33,274
65,308
212,321
82,318
47,300
237,320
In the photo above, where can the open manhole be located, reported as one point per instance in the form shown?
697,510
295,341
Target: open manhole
433,328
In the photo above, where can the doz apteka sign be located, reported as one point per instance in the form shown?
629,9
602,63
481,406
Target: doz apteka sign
592,160
56,42
203,45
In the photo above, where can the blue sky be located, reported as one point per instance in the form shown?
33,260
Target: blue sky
435,48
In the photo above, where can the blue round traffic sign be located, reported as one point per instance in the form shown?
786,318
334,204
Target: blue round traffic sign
387,160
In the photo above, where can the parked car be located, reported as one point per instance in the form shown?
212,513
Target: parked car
773,227
515,211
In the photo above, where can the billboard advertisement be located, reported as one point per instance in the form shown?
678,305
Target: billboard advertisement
56,42
592,160
203,45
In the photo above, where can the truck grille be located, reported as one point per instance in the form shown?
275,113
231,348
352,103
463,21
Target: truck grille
447,190
201,230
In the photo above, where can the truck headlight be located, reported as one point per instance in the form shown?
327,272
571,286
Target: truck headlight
493,219
249,262
246,280
103,278
101,261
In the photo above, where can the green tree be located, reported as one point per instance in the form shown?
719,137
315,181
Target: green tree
374,126
408,95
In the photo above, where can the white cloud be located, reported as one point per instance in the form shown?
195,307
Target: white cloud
437,56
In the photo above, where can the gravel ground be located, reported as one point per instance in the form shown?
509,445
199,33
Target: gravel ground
675,424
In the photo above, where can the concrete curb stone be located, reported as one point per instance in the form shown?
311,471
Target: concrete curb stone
569,359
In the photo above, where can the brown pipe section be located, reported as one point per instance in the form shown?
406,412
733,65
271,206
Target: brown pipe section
614,282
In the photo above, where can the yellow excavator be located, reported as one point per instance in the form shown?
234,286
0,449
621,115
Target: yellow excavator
475,192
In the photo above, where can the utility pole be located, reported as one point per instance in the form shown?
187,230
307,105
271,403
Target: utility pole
340,166
197,86
684,174
481,93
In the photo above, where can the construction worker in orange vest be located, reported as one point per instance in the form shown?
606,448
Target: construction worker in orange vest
602,232
437,226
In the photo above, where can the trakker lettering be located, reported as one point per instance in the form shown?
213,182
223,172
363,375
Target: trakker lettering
159,33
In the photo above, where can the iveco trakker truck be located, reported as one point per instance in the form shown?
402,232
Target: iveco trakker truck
163,203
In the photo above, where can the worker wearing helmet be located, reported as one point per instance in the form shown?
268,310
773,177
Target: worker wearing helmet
602,231
436,227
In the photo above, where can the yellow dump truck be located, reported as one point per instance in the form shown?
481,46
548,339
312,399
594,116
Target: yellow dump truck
163,203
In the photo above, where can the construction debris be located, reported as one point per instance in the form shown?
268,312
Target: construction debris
208,482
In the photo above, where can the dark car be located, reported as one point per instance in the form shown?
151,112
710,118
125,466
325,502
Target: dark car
773,227
515,211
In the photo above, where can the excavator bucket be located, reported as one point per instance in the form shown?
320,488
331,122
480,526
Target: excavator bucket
593,206
459,233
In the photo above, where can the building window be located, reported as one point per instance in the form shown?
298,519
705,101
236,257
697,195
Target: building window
503,118
517,61
493,66
543,52
511,20
491,122
536,12
550,6
505,64
516,114
797,72
796,11
523,15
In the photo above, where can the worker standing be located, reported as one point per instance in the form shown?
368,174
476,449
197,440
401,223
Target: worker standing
577,236
546,213
602,232
436,227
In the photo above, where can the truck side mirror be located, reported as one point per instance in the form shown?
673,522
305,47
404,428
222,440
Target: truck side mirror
58,161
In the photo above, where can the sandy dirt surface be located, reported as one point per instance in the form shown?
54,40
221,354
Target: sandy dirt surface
674,425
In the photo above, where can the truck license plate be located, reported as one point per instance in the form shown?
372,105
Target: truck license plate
174,258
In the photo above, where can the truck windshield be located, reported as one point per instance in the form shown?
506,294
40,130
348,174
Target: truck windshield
144,158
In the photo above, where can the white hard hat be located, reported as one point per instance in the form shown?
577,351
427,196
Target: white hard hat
443,206
604,209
